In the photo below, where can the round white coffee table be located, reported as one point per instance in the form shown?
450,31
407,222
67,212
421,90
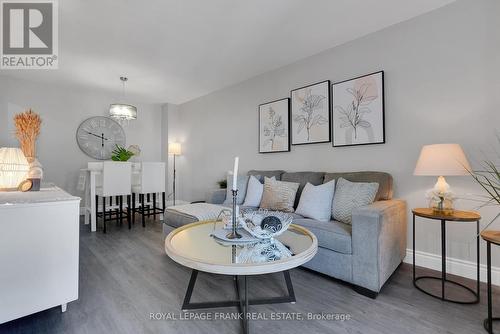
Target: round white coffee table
194,246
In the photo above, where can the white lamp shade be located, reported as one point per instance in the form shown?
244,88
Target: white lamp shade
123,111
174,148
442,160
13,167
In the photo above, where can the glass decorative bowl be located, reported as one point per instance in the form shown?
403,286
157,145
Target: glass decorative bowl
264,224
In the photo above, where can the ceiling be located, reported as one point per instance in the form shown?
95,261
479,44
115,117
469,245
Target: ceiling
176,50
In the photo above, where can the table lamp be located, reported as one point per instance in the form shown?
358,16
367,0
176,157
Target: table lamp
442,160
14,168
174,149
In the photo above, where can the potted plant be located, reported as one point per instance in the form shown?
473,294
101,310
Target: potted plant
488,177
222,184
120,153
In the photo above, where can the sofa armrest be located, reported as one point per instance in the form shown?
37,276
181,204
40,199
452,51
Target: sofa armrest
216,196
378,242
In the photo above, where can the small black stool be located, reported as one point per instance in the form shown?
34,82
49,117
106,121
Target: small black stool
147,207
117,213
491,237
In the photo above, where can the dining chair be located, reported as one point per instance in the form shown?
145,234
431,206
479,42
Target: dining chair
150,182
116,182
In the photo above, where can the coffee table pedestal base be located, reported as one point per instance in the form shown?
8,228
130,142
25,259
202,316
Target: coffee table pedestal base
242,301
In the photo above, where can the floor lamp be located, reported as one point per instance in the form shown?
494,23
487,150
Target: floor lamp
174,149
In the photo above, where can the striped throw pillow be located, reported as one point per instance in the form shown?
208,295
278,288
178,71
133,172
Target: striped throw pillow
278,195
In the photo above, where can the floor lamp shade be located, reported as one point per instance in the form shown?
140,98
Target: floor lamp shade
14,168
442,160
174,148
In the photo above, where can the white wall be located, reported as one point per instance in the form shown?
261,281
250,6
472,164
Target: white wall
62,109
442,84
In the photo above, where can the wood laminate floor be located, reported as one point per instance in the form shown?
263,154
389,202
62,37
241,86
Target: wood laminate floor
126,275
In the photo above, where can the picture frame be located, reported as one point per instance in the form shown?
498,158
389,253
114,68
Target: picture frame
358,112
274,126
311,114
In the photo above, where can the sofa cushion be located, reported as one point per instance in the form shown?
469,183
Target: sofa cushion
255,189
242,183
384,181
267,173
278,195
316,201
302,178
351,195
332,235
177,219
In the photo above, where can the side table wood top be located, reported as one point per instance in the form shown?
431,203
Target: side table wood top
455,215
491,236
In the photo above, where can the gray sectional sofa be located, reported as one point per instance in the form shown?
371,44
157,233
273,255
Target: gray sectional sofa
365,253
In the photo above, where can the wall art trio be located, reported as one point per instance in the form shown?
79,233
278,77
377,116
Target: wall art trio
350,111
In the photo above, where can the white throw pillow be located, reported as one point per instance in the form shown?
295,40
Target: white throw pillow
316,201
254,192
349,196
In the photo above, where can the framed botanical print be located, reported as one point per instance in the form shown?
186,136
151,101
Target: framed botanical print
274,126
358,111
310,120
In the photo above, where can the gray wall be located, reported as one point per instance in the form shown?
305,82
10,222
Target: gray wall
62,109
442,84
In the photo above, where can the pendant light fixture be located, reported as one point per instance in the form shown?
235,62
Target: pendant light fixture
122,111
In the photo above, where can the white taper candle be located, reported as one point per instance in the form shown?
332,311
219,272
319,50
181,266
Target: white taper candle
235,173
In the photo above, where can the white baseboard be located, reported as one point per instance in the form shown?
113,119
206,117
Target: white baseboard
457,267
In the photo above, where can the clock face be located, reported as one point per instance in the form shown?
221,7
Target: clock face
98,137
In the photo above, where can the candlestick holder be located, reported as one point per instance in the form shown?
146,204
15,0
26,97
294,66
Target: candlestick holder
234,234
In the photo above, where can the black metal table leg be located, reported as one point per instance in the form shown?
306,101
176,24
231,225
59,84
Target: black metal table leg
443,257
478,262
246,312
242,302
488,322
414,249
443,277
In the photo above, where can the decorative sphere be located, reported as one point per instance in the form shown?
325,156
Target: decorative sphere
271,224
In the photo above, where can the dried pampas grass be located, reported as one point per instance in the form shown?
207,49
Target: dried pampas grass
28,126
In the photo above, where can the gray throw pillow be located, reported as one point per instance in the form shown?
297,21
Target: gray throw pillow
349,196
242,189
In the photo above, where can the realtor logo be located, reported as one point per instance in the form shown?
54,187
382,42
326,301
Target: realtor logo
29,33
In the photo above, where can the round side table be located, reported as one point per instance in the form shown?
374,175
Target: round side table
491,237
455,216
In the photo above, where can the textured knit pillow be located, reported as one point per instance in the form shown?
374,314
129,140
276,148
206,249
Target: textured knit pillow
278,195
255,189
242,182
316,201
349,196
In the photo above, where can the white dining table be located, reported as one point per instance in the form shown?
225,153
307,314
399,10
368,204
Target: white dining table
93,170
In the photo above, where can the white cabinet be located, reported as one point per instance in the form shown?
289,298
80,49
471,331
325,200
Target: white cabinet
39,245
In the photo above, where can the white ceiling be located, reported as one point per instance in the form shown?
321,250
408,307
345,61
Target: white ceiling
177,50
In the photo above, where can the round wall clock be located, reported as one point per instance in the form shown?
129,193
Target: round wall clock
98,136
